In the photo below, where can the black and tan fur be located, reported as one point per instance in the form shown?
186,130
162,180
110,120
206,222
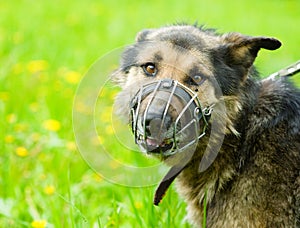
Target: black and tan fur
255,179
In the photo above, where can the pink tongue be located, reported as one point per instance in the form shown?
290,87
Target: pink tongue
154,142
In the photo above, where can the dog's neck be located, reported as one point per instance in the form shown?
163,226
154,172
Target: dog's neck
196,185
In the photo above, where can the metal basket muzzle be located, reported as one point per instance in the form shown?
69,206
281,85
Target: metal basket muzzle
187,127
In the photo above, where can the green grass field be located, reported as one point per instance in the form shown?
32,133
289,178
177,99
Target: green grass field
45,49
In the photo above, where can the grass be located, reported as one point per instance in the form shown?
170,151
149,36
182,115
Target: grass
46,47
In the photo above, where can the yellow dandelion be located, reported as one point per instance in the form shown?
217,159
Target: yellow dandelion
106,115
97,177
138,205
72,77
109,130
11,118
39,223
36,66
9,139
104,92
4,96
71,146
100,139
51,125
113,95
49,190
21,151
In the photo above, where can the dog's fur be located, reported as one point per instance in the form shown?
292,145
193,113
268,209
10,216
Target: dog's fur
255,178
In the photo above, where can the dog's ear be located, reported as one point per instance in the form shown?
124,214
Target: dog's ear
242,50
142,35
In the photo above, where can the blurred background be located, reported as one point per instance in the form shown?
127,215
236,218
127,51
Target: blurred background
46,47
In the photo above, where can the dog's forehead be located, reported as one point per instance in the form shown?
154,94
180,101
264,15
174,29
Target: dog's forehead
185,36
171,55
167,54
178,46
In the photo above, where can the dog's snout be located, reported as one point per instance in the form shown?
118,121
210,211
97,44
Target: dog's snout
156,125
163,117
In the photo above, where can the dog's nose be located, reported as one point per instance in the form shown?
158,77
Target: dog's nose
156,125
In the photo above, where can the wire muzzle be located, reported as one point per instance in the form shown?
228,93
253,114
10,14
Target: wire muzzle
168,99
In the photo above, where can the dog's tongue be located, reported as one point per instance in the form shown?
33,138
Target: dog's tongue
166,182
152,142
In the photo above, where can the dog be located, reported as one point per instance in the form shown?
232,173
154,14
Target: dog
193,98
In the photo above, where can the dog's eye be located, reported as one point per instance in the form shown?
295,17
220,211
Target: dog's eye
196,80
149,69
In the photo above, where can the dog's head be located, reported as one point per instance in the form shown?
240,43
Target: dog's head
173,76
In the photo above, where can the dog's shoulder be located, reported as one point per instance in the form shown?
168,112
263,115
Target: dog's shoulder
272,132
277,107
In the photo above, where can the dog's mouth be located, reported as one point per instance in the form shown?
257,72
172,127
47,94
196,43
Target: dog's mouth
155,139
167,119
155,146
